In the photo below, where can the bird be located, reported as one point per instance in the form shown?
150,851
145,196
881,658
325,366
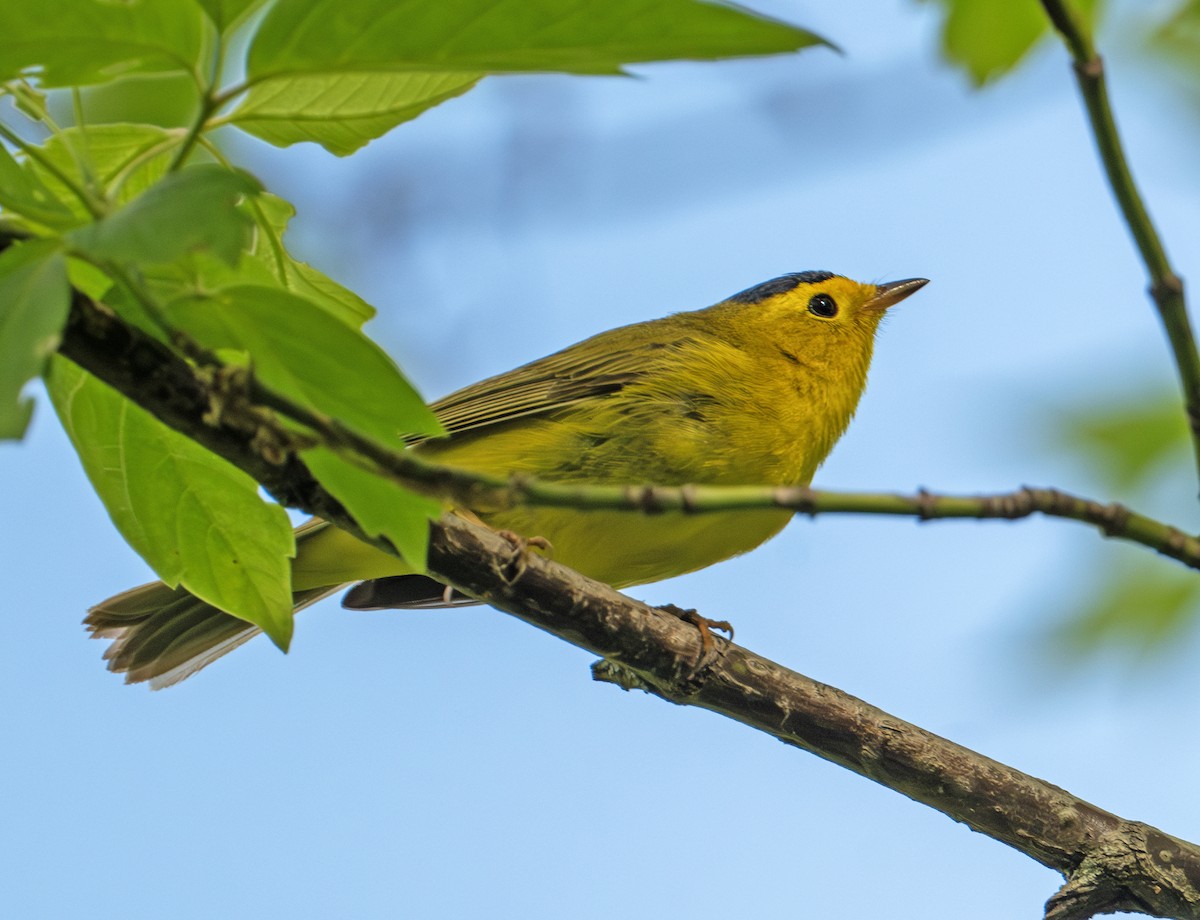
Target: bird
753,390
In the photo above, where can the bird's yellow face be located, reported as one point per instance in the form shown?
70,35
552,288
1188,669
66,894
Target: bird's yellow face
816,306
815,320
800,348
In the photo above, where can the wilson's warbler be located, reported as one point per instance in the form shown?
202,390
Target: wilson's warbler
754,390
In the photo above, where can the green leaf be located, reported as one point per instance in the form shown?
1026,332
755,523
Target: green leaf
575,36
381,507
229,14
88,279
34,299
1126,444
342,112
987,38
268,264
196,519
299,277
23,193
299,350
77,42
133,157
195,208
29,100
165,100
304,280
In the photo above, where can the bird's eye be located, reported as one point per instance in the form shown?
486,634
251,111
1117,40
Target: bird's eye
822,305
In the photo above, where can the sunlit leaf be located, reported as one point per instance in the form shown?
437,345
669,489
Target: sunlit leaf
377,36
88,279
381,507
266,264
23,193
228,14
168,100
987,38
299,350
124,160
299,277
196,519
29,100
192,209
342,112
76,42
34,299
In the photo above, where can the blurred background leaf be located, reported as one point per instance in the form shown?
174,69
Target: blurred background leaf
988,38
1134,450
1139,607
1127,445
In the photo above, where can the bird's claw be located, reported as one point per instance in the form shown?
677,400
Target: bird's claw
515,567
705,625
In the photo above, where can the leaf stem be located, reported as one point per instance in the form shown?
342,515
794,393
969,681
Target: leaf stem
194,130
1166,287
226,95
122,175
210,101
262,226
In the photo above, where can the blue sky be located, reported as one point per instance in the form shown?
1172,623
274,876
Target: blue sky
458,764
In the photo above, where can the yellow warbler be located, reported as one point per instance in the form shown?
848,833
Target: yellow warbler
753,390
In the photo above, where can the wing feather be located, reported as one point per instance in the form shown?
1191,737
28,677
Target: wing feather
593,369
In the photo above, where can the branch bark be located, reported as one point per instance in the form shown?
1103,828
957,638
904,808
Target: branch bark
1110,863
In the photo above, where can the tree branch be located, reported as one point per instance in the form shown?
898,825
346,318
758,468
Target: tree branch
1166,287
1110,863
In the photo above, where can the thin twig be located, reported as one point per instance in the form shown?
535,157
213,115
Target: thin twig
470,489
1166,287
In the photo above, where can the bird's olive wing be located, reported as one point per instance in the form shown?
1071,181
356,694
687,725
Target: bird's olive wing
593,369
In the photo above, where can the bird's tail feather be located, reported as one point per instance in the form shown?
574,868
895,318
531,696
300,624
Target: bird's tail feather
162,635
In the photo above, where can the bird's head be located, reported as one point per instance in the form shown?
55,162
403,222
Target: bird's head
821,305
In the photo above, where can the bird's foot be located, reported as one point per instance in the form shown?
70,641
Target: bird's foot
705,625
522,546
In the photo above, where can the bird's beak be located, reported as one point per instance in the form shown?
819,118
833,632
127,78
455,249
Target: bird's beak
890,294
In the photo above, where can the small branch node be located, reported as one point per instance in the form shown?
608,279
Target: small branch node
802,498
1054,501
643,498
1024,502
926,505
1166,287
1113,518
687,498
649,501
1091,69
1176,543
